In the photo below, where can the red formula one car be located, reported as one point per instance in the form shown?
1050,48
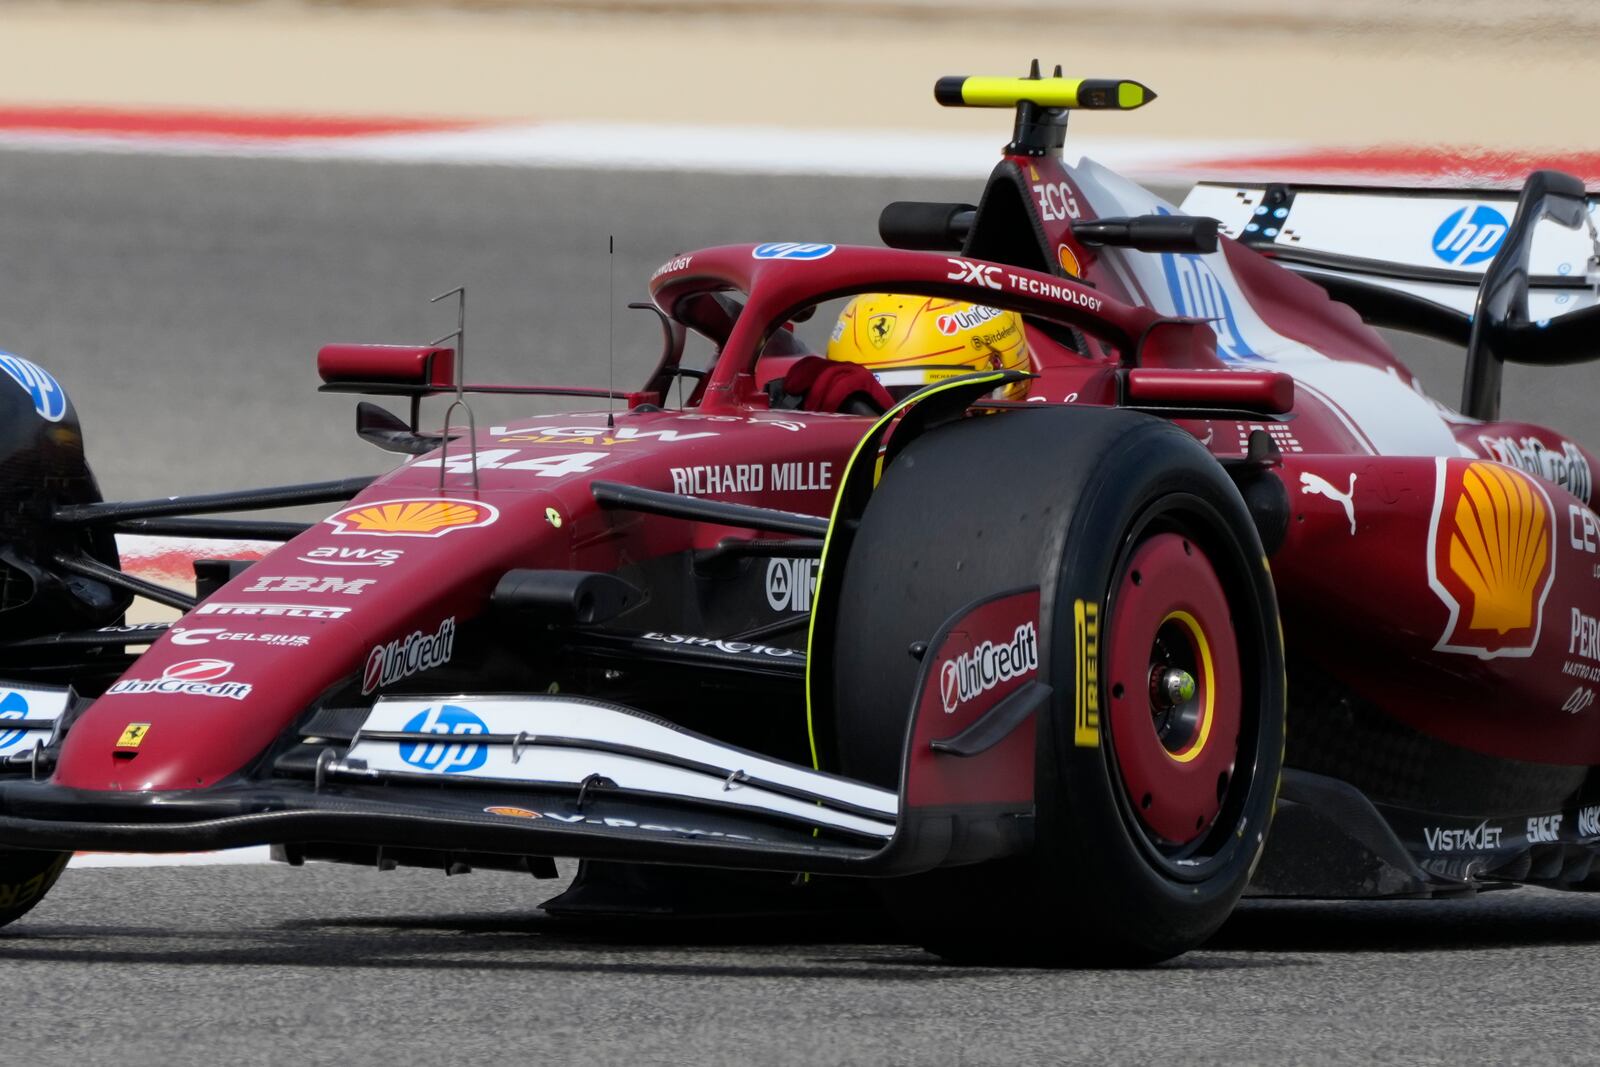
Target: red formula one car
1046,672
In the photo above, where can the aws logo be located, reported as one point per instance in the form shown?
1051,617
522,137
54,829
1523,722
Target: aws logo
1491,558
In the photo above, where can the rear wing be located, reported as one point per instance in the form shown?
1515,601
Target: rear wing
1511,275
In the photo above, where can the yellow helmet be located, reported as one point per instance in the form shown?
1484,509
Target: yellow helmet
910,341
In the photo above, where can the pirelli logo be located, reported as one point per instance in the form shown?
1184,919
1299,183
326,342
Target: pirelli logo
1086,628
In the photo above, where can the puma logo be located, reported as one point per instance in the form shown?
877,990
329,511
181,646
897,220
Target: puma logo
1314,483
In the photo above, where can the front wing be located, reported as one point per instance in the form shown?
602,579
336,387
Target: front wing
541,775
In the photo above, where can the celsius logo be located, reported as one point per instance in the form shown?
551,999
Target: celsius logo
12,706
974,673
1463,239
791,250
791,583
49,399
448,758
1198,293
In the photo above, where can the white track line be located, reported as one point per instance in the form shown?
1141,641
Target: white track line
655,147
233,857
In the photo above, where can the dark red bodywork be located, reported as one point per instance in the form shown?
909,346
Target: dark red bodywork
1369,579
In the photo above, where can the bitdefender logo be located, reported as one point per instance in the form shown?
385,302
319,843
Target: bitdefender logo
974,673
189,678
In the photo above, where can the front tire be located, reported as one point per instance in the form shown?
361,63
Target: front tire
1151,575
25,878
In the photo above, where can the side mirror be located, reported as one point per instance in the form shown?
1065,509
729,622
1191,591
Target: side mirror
1151,233
398,370
926,227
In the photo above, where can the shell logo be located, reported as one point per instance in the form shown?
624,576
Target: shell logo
1491,558
412,518
513,813
1068,261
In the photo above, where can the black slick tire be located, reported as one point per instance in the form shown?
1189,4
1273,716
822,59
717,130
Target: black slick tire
1064,499
25,878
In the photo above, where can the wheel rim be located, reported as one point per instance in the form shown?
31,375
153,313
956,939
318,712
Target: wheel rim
1174,682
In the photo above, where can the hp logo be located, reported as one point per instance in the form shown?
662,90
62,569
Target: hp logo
12,706
1197,292
446,757
49,399
791,250
1470,235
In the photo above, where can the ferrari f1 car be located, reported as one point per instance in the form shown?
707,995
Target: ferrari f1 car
1044,672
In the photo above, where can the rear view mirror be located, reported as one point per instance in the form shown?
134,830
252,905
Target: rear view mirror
1151,233
407,370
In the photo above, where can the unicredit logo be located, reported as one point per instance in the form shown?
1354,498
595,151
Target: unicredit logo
198,670
403,657
950,324
974,673
191,678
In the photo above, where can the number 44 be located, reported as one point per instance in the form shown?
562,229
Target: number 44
500,459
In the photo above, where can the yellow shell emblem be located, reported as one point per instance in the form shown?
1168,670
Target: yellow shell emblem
412,518
1492,556
513,813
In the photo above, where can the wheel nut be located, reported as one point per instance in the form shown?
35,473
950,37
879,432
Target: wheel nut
1177,686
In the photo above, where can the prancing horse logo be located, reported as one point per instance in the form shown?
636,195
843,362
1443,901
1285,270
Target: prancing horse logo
878,329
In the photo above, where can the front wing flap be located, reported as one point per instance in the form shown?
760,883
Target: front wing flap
540,775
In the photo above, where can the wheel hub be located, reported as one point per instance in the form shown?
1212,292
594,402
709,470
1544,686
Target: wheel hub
1173,678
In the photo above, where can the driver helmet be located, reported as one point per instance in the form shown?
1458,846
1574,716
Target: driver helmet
908,342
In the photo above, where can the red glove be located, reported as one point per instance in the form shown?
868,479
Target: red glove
824,385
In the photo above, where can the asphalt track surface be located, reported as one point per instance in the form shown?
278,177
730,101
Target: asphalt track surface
181,303
268,965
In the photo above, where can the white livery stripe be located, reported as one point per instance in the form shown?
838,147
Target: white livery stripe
456,721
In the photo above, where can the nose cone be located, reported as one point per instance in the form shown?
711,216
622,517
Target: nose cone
179,721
